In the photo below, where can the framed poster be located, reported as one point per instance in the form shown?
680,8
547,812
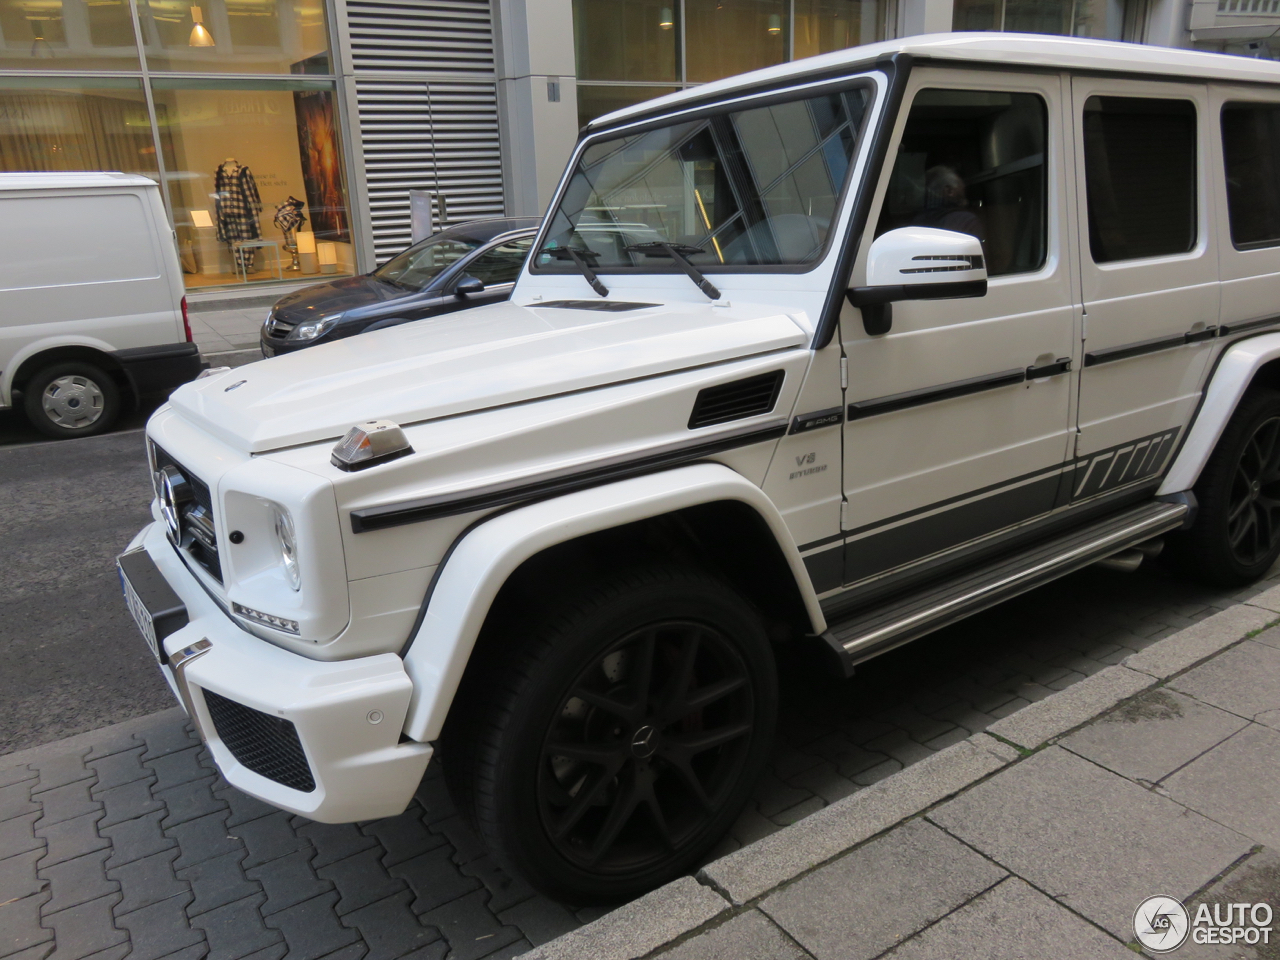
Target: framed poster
321,164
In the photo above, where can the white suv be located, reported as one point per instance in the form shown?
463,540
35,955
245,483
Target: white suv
833,353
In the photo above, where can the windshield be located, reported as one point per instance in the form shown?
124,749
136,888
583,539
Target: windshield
420,264
752,187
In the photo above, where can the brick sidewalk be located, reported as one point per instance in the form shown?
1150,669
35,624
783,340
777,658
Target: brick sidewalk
125,841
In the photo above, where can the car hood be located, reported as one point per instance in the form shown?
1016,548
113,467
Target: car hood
339,296
472,360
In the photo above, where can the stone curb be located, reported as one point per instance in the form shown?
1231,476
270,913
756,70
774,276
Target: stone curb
233,358
657,919
82,742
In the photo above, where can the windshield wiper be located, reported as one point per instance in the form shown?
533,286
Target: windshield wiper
584,268
677,251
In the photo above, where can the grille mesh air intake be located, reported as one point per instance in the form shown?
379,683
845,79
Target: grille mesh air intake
267,745
737,400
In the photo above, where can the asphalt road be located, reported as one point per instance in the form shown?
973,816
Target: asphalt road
71,658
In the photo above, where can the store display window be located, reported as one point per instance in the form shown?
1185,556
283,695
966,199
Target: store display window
731,38
826,25
634,41
595,100
75,124
256,184
235,36
39,35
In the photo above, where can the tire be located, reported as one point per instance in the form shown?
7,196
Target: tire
590,792
71,399
1236,535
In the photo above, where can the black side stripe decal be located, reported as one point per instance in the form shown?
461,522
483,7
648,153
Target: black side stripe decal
1227,329
497,495
946,391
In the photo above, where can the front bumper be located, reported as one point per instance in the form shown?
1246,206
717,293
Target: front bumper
347,714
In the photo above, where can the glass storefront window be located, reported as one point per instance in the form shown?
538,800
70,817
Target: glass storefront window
826,25
1098,19
728,37
240,36
239,154
595,100
37,35
634,41
74,124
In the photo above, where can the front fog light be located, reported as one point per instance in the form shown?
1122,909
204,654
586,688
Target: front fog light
370,443
288,541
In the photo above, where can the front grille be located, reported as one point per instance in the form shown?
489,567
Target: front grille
198,536
267,745
279,329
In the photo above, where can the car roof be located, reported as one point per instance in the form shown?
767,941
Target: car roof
482,231
71,179
989,49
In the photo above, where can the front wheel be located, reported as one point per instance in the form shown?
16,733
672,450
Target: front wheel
1236,536
73,399
623,740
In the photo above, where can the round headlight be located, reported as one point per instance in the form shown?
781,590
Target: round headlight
288,541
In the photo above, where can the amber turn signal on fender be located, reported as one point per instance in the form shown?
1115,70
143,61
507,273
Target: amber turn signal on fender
369,444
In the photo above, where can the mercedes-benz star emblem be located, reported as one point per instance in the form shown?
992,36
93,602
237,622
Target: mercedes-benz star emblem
644,742
172,490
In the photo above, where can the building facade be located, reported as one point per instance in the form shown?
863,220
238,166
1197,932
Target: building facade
255,113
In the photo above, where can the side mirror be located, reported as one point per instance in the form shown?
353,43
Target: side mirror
468,286
918,263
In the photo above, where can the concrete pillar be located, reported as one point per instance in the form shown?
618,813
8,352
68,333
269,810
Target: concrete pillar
537,98
1167,22
916,17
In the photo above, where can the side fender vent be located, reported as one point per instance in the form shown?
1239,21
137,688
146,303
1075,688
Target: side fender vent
737,400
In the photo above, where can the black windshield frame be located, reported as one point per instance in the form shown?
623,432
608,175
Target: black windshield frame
865,84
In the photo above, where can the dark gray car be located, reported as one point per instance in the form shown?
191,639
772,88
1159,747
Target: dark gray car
463,266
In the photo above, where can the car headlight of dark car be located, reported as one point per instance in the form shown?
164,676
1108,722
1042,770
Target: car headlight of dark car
312,329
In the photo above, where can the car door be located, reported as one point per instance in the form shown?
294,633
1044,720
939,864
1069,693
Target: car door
497,267
1149,274
958,419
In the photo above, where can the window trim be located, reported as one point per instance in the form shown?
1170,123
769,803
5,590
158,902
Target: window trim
703,111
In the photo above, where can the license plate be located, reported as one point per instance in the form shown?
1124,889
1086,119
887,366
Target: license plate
141,615
268,351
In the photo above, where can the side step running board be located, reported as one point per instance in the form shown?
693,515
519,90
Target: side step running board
871,632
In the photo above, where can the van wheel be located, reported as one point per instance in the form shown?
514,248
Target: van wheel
72,399
624,737
1236,537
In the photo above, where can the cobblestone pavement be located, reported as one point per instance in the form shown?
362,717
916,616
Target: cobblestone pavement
130,844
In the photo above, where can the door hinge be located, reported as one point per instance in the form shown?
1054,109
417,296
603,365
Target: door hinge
844,373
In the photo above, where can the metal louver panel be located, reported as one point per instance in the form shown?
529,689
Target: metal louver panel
427,98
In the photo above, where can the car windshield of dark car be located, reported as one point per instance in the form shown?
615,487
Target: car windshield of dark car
759,186
420,264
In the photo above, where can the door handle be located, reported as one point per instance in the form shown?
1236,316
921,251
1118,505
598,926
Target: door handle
1061,365
1198,336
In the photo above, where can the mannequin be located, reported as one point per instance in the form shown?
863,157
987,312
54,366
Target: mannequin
237,207
289,218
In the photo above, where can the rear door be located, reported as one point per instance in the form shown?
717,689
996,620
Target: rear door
1149,275
948,440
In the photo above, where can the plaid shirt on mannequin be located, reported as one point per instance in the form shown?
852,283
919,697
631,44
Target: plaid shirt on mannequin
237,207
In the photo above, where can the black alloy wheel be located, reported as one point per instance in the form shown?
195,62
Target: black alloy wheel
1236,536
645,747
607,750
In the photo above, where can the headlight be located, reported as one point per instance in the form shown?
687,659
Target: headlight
312,329
288,541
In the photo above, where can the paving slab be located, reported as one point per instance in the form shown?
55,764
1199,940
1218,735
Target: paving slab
1013,921
1079,703
1200,641
1237,783
1096,841
1153,735
873,898
1254,880
1244,680
749,934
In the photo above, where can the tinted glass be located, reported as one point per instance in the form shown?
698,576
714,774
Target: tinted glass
501,264
759,186
1140,177
420,264
973,161
1251,151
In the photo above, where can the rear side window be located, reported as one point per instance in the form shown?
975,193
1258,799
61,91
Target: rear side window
65,240
973,161
1140,177
1251,152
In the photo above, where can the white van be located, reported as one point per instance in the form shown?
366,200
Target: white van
914,327
92,312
